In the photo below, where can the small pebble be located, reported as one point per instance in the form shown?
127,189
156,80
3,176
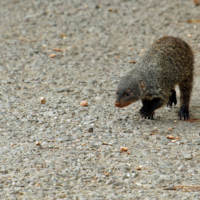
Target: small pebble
188,156
90,130
42,100
84,103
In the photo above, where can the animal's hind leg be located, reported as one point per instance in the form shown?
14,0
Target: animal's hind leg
185,90
172,98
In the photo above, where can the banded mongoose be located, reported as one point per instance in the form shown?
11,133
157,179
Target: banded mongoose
168,62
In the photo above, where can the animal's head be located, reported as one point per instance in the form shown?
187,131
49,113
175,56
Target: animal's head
129,90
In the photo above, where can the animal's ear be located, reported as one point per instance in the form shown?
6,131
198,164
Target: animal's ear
142,85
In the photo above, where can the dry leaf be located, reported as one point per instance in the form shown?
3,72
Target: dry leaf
52,55
63,35
170,129
132,61
193,120
54,49
193,21
26,40
124,148
170,137
188,188
104,143
196,2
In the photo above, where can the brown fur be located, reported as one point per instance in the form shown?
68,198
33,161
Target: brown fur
168,62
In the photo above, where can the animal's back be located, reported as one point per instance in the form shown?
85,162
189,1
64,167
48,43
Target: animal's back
167,59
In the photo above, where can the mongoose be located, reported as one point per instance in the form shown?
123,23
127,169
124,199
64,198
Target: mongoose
168,62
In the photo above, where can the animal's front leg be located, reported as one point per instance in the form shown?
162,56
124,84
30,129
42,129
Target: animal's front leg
148,108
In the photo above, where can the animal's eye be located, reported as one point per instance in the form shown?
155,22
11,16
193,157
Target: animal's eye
127,94
117,93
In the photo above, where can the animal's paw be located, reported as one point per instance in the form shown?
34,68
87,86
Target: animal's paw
172,99
184,113
146,112
170,102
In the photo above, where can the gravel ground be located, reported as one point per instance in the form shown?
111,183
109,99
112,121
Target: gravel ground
68,52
